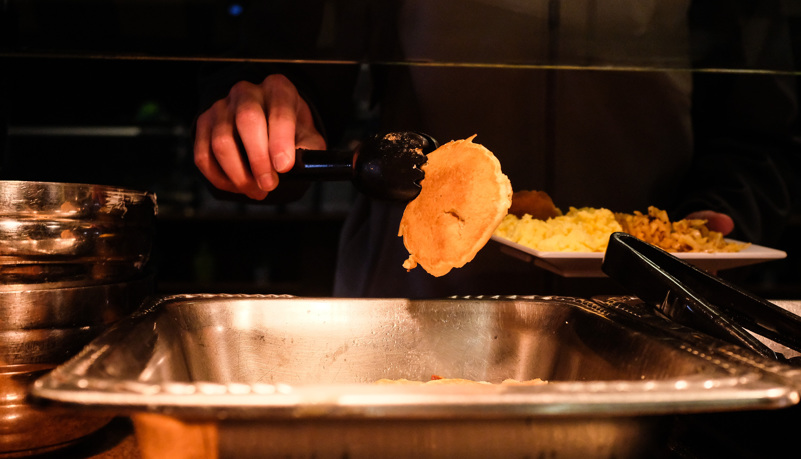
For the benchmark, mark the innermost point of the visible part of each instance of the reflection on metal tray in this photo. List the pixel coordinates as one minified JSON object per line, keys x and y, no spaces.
{"x":262,"y":376}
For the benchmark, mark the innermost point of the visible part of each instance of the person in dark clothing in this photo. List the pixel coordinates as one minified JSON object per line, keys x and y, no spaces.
{"x":720,"y":147}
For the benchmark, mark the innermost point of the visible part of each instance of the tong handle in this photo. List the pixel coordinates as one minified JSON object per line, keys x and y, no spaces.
{"x":384,"y":166}
{"x":698,"y":299}
{"x":322,"y":165}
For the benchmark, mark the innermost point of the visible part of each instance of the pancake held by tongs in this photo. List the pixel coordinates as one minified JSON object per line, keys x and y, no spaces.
{"x":464,"y":197}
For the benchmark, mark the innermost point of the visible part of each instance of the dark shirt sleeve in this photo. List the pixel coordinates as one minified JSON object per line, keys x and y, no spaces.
{"x":747,"y":154}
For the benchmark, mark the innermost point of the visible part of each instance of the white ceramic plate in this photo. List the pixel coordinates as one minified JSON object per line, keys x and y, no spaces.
{"x":588,"y":264}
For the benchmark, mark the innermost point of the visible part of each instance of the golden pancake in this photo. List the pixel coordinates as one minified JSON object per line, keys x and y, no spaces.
{"x":464,"y":197}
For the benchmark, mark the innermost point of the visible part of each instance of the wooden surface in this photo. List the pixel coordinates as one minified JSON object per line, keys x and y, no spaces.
{"x":169,"y":438}
{"x":116,"y":440}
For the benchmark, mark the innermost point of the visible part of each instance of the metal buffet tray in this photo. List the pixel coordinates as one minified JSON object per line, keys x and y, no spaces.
{"x":275,"y":376}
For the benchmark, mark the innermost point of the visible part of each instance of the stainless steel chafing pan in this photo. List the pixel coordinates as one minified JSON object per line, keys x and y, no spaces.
{"x":272,"y":376}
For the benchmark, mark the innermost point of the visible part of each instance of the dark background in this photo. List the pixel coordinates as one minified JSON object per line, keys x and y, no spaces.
{"x":68,"y":66}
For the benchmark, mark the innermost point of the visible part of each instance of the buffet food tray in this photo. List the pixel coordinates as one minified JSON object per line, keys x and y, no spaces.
{"x":278,"y":376}
{"x":588,"y":264}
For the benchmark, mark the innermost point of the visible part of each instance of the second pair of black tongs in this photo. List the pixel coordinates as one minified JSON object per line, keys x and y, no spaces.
{"x":384,"y":166}
{"x":697,"y":299}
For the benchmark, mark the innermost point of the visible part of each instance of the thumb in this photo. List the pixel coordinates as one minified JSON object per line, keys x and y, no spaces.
{"x":715,"y":221}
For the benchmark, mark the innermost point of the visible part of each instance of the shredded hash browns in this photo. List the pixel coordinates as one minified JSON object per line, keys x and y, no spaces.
{"x":687,"y":235}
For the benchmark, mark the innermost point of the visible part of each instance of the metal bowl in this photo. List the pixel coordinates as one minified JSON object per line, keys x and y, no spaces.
{"x":53,"y":232}
{"x":42,"y":326}
{"x":60,"y":305}
{"x":26,"y":430}
{"x":23,"y":347}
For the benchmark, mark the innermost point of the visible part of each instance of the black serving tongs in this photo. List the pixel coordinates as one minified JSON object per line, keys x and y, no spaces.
{"x":697,"y":299}
{"x":385,"y":166}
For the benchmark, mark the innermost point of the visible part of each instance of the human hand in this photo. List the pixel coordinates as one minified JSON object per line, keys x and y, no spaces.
{"x":270,"y":119}
{"x":715,"y":221}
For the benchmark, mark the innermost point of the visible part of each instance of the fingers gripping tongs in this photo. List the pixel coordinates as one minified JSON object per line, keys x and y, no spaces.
{"x":694,"y":298}
{"x":386,"y":166}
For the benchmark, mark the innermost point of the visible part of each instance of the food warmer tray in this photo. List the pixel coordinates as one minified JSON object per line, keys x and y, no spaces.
{"x":280,"y":376}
